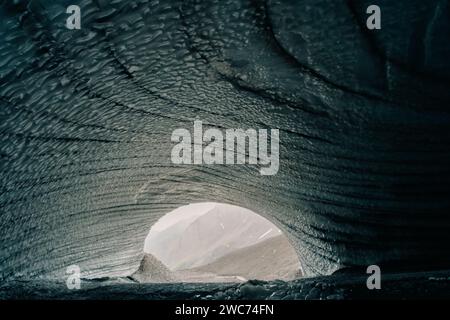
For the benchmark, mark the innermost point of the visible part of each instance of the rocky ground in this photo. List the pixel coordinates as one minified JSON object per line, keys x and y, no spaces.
{"x":423,"y":285}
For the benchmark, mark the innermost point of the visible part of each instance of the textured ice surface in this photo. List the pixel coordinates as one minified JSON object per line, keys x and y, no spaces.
{"x":86,"y":118}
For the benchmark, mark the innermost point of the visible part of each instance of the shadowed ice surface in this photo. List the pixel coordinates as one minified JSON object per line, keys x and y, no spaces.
{"x":86,"y":118}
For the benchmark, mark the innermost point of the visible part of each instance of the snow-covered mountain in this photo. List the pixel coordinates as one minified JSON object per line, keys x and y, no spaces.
{"x":200,"y":239}
{"x":270,"y":259}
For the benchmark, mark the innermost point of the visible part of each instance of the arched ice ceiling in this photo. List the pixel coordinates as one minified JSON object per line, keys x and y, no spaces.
{"x":86,"y":118}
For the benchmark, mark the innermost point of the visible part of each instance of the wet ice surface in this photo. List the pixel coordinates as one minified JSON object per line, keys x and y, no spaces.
{"x":86,"y":119}
{"x":336,"y":287}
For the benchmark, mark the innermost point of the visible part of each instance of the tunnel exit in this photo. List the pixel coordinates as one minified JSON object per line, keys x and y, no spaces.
{"x":215,"y":242}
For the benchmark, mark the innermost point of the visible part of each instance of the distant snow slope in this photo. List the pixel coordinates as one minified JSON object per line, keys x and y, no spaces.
{"x":271,"y":259}
{"x":204,"y":238}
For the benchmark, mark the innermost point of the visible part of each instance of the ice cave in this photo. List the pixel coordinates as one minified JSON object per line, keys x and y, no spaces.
{"x":87,"y":116}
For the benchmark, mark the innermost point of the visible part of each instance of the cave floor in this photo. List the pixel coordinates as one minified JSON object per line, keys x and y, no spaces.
{"x":418,"y":285}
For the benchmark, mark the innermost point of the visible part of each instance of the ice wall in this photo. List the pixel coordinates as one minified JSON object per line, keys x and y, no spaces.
{"x":87,"y":115}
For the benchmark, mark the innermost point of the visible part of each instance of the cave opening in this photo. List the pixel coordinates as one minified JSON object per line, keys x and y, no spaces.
{"x":216,"y":242}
